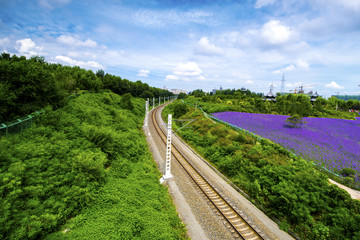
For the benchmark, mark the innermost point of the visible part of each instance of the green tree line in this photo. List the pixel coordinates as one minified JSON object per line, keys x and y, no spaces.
{"x":288,"y":188}
{"x":28,"y":85}
{"x":241,"y":100}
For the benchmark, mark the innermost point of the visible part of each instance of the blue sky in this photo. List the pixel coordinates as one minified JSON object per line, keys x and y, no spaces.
{"x":195,"y":44}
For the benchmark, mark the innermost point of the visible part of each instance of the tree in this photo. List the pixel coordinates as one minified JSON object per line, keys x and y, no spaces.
{"x":100,"y":73}
{"x":147,"y":94}
{"x":346,"y":172}
{"x":179,"y":110}
{"x":198,"y":93}
{"x":126,"y":102}
{"x":181,"y":95}
{"x":294,"y":121}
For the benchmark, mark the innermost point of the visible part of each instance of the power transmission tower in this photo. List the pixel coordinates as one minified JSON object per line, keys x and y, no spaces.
{"x":282,"y":84}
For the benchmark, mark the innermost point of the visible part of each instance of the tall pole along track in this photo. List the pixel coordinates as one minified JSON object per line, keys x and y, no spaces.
{"x":239,"y":227}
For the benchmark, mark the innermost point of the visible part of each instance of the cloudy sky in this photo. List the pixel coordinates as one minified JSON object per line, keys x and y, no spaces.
{"x":191,"y":44}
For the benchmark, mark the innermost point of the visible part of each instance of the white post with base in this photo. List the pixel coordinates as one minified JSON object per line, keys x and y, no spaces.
{"x":167,"y":174}
{"x":146,"y":113}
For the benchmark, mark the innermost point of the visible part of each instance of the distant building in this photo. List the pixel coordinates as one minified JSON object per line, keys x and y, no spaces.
{"x":313,"y":96}
{"x":270,"y":96}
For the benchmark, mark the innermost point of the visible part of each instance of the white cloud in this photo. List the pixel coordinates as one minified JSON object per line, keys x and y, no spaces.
{"x":204,"y":47}
{"x":201,"y":78}
{"x":27,"y":47}
{"x":299,"y":64}
{"x":333,"y":85}
{"x":143,"y":73}
{"x":353,"y":5}
{"x":152,"y":18}
{"x":187,"y":69}
{"x":262,"y":3}
{"x":249,"y":81}
{"x":4,"y":41}
{"x":186,"y":72}
{"x":87,"y":64}
{"x":75,"y":41}
{"x":51,"y":4}
{"x":274,"y":32}
{"x":171,"y":77}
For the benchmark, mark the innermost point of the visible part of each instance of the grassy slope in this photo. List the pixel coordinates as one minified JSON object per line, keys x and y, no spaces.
{"x":85,"y":169}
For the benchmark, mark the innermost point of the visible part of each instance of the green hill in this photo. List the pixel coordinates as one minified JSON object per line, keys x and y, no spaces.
{"x":84,"y":171}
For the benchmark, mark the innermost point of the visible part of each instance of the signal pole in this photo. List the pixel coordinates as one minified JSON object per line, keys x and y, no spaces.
{"x":167,"y":174}
{"x":146,"y":113}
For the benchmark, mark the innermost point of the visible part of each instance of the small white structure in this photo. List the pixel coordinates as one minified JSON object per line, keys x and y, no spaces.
{"x":146,"y":113}
{"x":167,"y":174}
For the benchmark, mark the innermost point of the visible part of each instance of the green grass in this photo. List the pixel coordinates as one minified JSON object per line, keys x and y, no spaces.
{"x":84,"y":172}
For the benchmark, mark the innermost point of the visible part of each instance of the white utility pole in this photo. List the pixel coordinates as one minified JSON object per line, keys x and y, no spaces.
{"x":167,"y":174}
{"x":146,"y":113}
{"x":153,"y":102}
{"x":159,"y":101}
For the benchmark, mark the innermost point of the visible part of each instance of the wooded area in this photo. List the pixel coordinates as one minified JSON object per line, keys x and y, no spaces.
{"x":28,"y":85}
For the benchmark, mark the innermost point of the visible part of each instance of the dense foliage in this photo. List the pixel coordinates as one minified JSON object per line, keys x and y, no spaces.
{"x":84,"y":168}
{"x":28,"y":85}
{"x":289,"y":104}
{"x":288,"y":188}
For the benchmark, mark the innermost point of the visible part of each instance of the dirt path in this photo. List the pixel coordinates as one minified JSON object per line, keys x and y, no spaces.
{"x":353,"y":193}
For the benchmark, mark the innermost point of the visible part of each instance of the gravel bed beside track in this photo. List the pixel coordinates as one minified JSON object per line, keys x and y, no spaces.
{"x":200,"y":217}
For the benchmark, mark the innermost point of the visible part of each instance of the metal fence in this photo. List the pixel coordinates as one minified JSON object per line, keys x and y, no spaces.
{"x":19,"y":125}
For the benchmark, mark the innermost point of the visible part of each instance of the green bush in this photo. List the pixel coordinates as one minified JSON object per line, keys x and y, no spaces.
{"x":84,"y":167}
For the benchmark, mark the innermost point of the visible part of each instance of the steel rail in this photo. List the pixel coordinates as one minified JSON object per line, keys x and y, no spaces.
{"x":240,"y":227}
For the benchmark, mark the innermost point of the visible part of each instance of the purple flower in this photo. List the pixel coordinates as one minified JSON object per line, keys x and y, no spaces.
{"x":332,"y":143}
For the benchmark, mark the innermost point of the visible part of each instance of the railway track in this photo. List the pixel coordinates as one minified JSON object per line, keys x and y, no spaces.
{"x":239,"y":227}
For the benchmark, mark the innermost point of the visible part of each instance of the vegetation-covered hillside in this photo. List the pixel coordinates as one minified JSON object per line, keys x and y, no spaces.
{"x":84,"y":168}
{"x":28,"y":85}
{"x":288,"y":188}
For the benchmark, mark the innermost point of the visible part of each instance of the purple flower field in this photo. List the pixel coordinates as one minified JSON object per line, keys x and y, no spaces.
{"x":331,"y":143}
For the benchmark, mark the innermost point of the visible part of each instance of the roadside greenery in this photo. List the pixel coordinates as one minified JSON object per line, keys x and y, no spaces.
{"x":288,"y":188}
{"x":84,"y":171}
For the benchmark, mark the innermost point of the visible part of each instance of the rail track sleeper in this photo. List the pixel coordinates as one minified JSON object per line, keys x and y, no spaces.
{"x":247,"y":234}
